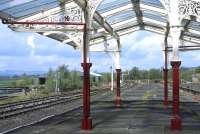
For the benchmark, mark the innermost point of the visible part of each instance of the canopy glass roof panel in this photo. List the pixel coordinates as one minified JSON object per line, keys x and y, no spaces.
{"x":154,"y":16}
{"x":194,"y":25}
{"x":108,"y":5}
{"x":4,"y":4}
{"x":31,"y":7}
{"x":5,"y":1}
{"x":156,"y":3}
{"x":122,"y":16}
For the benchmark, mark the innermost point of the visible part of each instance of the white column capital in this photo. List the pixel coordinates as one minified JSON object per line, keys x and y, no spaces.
{"x":117,"y":60}
{"x":175,"y":34}
{"x":116,"y":56}
{"x":175,"y":27}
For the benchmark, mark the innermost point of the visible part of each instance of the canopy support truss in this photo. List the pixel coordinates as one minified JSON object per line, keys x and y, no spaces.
{"x":99,"y":19}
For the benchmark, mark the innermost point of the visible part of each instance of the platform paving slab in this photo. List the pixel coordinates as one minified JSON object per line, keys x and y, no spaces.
{"x":141,"y":112}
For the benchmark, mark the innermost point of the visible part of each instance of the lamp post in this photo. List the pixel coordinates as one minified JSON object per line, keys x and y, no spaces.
{"x":112,"y":79}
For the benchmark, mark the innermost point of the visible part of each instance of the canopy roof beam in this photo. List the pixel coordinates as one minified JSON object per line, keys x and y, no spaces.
{"x":166,"y":34}
{"x":138,"y":12}
{"x":99,"y":19}
{"x":185,"y":48}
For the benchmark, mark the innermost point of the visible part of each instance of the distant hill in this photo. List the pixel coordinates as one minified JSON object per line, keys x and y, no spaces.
{"x":10,"y":73}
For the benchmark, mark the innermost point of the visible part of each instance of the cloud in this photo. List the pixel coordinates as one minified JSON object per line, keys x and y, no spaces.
{"x":37,"y":63}
{"x":38,"y":52}
{"x":195,"y":56}
{"x":30,"y":41}
{"x":141,"y":49}
{"x":148,"y":44}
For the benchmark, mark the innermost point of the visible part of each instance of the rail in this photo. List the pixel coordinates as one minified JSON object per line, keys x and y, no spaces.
{"x":22,"y":107}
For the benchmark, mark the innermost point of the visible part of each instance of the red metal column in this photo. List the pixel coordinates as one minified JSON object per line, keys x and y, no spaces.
{"x":165,"y":77}
{"x":86,"y":121}
{"x":176,"y":119}
{"x":118,"y":97}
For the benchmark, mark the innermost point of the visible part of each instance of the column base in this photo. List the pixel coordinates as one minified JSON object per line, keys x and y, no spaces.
{"x":118,"y":101}
{"x":176,"y":124}
{"x":86,"y":124}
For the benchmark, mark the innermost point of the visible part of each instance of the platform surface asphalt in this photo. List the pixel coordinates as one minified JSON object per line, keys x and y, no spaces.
{"x":141,"y":112}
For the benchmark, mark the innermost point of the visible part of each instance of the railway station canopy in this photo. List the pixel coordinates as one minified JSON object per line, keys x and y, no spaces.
{"x":112,"y":19}
{"x":85,"y":23}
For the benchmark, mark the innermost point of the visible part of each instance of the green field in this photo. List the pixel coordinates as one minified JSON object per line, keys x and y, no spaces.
{"x":29,"y":96}
{"x":7,"y":82}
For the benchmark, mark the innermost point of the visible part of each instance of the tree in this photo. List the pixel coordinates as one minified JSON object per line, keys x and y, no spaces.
{"x":197,"y":70}
{"x":50,"y":83}
{"x":24,"y":81}
{"x":76,"y":80}
{"x":64,"y":77}
{"x":134,"y":73}
{"x":106,"y":77}
{"x":155,"y":74}
{"x":144,"y":74}
{"x":186,"y":74}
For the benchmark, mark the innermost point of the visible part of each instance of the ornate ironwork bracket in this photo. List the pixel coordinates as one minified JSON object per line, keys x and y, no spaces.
{"x":189,"y":7}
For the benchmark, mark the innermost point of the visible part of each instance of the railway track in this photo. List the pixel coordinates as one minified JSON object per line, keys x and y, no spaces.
{"x":38,"y":99}
{"x":23,"y":107}
{"x":187,"y":89}
{"x":194,"y":92}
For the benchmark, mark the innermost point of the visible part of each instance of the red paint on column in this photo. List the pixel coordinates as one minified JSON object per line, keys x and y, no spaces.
{"x":118,"y":97}
{"x":165,"y":77}
{"x":86,"y":120}
{"x":176,"y":119}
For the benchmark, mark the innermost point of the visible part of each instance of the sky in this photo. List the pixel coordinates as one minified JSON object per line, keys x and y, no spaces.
{"x":33,"y":52}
